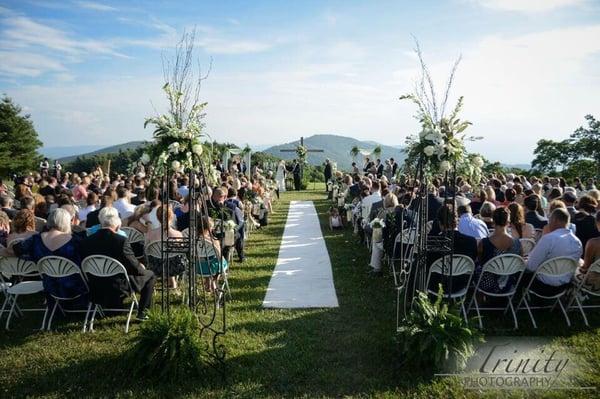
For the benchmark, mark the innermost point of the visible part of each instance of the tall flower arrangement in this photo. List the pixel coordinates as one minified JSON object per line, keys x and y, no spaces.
{"x":301,"y":152}
{"x":440,"y":143}
{"x":177,"y":144}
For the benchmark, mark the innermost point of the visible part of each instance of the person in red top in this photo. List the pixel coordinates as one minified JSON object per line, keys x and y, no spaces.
{"x":80,"y":190}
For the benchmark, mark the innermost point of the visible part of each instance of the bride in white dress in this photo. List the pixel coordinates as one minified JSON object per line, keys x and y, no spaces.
{"x":280,"y":176}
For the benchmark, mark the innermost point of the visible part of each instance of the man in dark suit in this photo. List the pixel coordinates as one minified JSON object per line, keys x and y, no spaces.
{"x":296,"y":171}
{"x":379,"y":169}
{"x":93,"y":217}
{"x":110,"y":291}
{"x":394,"y":167}
{"x":6,"y":206}
{"x":327,"y":171}
{"x":532,"y":204}
{"x":569,"y":199}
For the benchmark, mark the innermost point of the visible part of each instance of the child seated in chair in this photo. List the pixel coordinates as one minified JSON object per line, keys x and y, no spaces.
{"x":335,"y":220}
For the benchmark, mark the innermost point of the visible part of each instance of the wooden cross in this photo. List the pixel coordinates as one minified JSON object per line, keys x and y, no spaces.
{"x":307,"y":150}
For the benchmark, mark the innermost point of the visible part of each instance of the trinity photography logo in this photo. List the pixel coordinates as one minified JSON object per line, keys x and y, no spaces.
{"x":525,"y":363}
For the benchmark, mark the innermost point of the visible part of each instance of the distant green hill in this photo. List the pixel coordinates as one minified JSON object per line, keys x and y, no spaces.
{"x":132,"y":145}
{"x":336,"y":148}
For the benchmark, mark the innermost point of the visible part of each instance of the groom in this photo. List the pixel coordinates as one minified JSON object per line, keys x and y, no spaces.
{"x":296,"y":172}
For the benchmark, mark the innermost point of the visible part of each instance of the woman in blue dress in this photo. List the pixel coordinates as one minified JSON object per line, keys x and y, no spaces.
{"x":57,"y":241}
{"x":498,"y":243}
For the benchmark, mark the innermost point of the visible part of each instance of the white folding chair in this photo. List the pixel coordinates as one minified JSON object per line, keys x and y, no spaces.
{"x":583,"y":291}
{"x":499,"y":266}
{"x":185,"y":232}
{"x":538,"y":234}
{"x":16,"y":267}
{"x":57,"y":267}
{"x":4,"y":285}
{"x":133,"y":235}
{"x":456,"y":265}
{"x":106,"y":267}
{"x":527,"y":244}
{"x":554,"y":267}
{"x":40,"y":223}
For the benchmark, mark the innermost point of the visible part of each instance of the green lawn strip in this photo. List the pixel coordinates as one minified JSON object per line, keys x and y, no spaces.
{"x":345,"y":351}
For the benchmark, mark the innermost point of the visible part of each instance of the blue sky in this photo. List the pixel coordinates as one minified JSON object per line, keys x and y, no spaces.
{"x":89,"y":72}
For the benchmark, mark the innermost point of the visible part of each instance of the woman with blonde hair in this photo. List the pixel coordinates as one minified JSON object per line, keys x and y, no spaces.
{"x":23,"y":227}
{"x":490,"y":195}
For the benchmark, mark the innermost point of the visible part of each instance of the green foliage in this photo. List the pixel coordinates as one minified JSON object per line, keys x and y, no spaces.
{"x":121,"y":162}
{"x":18,"y":140}
{"x":261,"y":158}
{"x":577,"y":156}
{"x":434,"y":334}
{"x":354,"y":151}
{"x":169,"y":347}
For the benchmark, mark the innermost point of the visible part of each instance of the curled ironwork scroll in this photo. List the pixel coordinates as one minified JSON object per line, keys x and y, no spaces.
{"x":204,"y":282}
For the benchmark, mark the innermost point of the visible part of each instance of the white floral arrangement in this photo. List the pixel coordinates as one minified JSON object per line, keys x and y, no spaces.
{"x":177,"y":145}
{"x":377,"y":223}
{"x":229,"y":225}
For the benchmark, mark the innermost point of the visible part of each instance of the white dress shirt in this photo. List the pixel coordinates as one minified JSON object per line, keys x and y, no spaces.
{"x":84,"y":212}
{"x":124,"y":208}
{"x":560,"y":242}
{"x":472,"y":227}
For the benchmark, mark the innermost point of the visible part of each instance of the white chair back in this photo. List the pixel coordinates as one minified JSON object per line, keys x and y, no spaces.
{"x":206,"y":249}
{"x":504,"y":265}
{"x":175,"y":204}
{"x":133,"y":235}
{"x":185,"y":232}
{"x":460,"y":264}
{"x":558,"y":266}
{"x":594,"y":268}
{"x":57,"y":266}
{"x":17,"y":267}
{"x":103,"y":266}
{"x":538,"y":234}
{"x":527,"y":244}
{"x":154,"y":249}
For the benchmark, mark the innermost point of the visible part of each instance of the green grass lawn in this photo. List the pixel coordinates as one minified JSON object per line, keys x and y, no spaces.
{"x":346,"y":351}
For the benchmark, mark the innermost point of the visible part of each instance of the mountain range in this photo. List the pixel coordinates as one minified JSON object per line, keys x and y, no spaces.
{"x":336,"y":148}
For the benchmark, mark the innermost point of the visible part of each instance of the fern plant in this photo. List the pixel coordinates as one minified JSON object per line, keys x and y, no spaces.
{"x":434,"y":335}
{"x":169,"y":347}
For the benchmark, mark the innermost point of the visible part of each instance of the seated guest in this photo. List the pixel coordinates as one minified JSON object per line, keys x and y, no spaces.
{"x":434,"y":203}
{"x":559,"y":242}
{"x":136,"y":220}
{"x":584,"y":219}
{"x":92,"y":218}
{"x":177,"y":263}
{"x":485,"y":214}
{"x":23,"y":227}
{"x":478,"y":199}
{"x":463,"y":245}
{"x":335,"y":220}
{"x":592,"y":254}
{"x":76,"y":228}
{"x":91,"y":202}
{"x":182,"y":214}
{"x":498,"y":243}
{"x":57,"y":241}
{"x":469,"y":225}
{"x":551,"y":207}
{"x":6,"y":206}
{"x":215,"y":265}
{"x":569,"y":199}
{"x":122,"y":204}
{"x":4,"y":228}
{"x":532,"y":216}
{"x":236,"y":207}
{"x":107,"y":242}
{"x":518,"y":227}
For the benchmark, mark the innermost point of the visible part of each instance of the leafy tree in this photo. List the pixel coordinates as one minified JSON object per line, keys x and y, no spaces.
{"x":549,"y":155}
{"x":587,"y":141}
{"x":18,"y":140}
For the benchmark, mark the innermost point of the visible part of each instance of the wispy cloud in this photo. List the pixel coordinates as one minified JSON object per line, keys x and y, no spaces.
{"x":92,"y":5}
{"x":529,"y":5}
{"x":30,"y":48}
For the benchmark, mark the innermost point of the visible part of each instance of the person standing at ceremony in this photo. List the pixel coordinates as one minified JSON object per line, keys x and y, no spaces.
{"x":368,"y":165}
{"x":280,"y":177}
{"x":327,"y":172}
{"x":44,"y":166}
{"x":57,"y":169}
{"x":394,"y":166}
{"x":296,"y":171}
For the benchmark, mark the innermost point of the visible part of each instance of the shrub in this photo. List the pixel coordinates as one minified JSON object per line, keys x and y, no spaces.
{"x":168,"y":347}
{"x":434,"y":335}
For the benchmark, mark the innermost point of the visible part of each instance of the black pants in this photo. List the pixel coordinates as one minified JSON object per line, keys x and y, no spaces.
{"x":297,"y":182}
{"x":146,"y":292}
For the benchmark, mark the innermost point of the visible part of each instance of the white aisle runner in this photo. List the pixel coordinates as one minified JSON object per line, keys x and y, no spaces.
{"x":302,"y":277}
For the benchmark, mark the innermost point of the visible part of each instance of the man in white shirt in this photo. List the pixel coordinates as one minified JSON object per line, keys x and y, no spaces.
{"x":559,"y":242}
{"x":367,"y":202}
{"x":122,"y":204}
{"x":469,"y":225}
